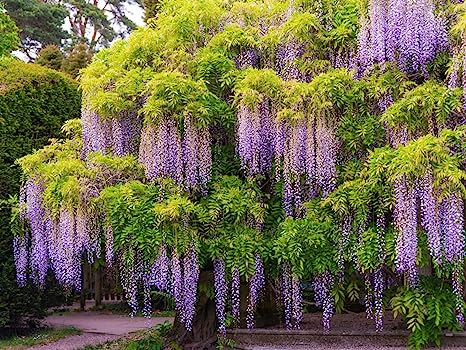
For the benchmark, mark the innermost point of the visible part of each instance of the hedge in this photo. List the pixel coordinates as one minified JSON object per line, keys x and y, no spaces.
{"x":34,"y":103}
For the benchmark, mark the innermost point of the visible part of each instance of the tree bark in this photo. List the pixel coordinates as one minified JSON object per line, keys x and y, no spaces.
{"x":85,"y":286}
{"x":98,"y":287}
{"x":204,"y":333}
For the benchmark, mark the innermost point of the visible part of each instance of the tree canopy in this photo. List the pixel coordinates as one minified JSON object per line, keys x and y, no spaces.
{"x":269,"y":143}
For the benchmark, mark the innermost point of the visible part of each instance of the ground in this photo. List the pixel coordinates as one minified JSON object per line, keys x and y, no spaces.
{"x":96,"y":327}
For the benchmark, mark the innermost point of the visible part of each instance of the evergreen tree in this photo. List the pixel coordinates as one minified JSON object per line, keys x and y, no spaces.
{"x":50,"y":56}
{"x":41,"y":23}
{"x":99,"y":23}
{"x":78,"y":58}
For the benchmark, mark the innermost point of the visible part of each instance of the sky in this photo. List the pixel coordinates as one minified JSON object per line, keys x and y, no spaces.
{"x":136,"y":14}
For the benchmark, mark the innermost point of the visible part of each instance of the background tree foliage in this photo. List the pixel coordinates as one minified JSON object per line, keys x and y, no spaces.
{"x":40,"y":22}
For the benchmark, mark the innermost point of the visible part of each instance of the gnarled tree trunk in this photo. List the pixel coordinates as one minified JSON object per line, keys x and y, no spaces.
{"x":204,"y":333}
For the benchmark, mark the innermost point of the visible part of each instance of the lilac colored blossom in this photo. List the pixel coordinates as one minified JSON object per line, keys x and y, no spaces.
{"x":327,"y":151}
{"x":197,"y":157}
{"x":291,"y":298}
{"x":297,"y":307}
{"x":71,"y":252}
{"x":406,"y":223}
{"x":286,"y":61}
{"x":146,"y":283}
{"x":20,"y":252}
{"x":97,"y":133}
{"x":255,"y":146}
{"x":126,"y":131}
{"x":248,"y":57}
{"x":256,"y":286}
{"x":160,"y":151}
{"x":235,"y":294}
{"x":430,"y":216}
{"x":160,"y":270}
{"x":286,"y":294}
{"x":452,"y":227}
{"x":458,"y":291}
{"x":129,"y":282}
{"x":408,"y":33}
{"x":221,"y":290}
{"x":39,"y":254}
{"x":375,"y":286}
{"x":109,"y":253}
{"x":385,"y":102}
{"x":177,"y":286}
{"x":190,"y":281}
{"x":323,"y":285}
{"x":167,"y":153}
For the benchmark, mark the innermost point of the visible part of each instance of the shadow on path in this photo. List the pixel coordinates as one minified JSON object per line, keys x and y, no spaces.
{"x":97,"y":328}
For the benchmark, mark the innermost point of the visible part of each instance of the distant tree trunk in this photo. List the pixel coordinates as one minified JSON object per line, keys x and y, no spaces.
{"x":85,"y":286}
{"x":98,"y":287}
{"x":204,"y":333}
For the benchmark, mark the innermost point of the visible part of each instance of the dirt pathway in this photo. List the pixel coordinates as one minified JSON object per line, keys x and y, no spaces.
{"x":97,"y":328}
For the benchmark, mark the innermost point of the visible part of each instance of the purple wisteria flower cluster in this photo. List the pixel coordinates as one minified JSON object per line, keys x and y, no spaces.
{"x":323,"y":285}
{"x":56,"y":243}
{"x":307,"y":150}
{"x":119,"y":135}
{"x":442,"y":220}
{"x":221,"y":293}
{"x":290,"y":290}
{"x":177,"y":276}
{"x":256,"y":286}
{"x":406,"y":32}
{"x":185,"y":158}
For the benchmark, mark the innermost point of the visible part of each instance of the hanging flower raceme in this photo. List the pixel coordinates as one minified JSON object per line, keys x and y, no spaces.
{"x":161,"y":151}
{"x":39,"y":245}
{"x":255,"y":142}
{"x":160,"y":273}
{"x":118,"y":135}
{"x":323,"y":285}
{"x":406,"y":223}
{"x":167,"y":153}
{"x":375,"y":285}
{"x":197,"y":156}
{"x":184,"y":282}
{"x":248,"y":57}
{"x":221,"y":291}
{"x":21,"y":256}
{"x":452,"y":227}
{"x":408,"y":33}
{"x":190,"y":281}
{"x":256,"y":286}
{"x":290,"y":290}
{"x":286,"y":60}
{"x":235,"y":295}
{"x":430,"y":216}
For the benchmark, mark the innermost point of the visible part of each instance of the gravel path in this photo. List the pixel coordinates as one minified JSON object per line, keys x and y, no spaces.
{"x":97,"y":328}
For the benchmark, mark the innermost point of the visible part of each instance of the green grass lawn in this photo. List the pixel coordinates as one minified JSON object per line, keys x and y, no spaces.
{"x":38,"y":337}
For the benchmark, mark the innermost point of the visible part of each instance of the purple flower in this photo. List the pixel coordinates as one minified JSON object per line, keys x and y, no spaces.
{"x":221,"y":290}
